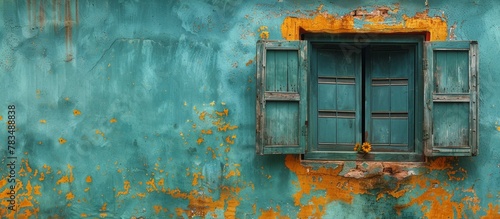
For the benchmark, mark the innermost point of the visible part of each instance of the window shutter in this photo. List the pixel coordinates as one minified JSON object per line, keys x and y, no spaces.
{"x":451,"y":98}
{"x":281,"y":107}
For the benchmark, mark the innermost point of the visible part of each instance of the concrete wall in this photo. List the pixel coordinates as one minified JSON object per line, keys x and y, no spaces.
{"x":134,"y":108}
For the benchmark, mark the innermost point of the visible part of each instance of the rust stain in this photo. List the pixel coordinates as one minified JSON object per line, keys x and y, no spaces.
{"x":88,"y":179}
{"x":113,"y":120}
{"x":327,"y":23}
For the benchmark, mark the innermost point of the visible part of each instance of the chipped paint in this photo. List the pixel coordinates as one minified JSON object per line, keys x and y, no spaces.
{"x":375,"y":23}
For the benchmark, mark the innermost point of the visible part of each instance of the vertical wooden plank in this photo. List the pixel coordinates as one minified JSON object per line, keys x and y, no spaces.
{"x":270,"y":70}
{"x":281,"y":71}
{"x":293,"y":71}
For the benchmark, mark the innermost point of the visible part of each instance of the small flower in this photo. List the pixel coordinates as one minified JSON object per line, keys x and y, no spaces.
{"x":366,"y":147}
{"x":357,"y":147}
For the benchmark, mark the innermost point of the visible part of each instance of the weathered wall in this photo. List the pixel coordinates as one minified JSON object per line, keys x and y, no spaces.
{"x":147,"y":108}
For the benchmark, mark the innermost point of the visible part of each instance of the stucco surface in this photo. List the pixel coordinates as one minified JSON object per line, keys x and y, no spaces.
{"x":147,"y":109}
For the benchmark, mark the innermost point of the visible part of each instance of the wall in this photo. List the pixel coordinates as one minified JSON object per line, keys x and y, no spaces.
{"x":128,"y":109}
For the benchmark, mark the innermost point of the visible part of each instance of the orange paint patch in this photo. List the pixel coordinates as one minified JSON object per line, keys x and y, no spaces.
{"x":104,"y":207}
{"x":229,"y":141}
{"x":202,"y":115}
{"x":321,"y":179}
{"x":200,"y":140}
{"x":126,"y":187}
{"x":200,"y":205}
{"x":249,"y":62}
{"x":206,"y":132}
{"x":325,"y":23}
{"x":493,"y":212}
{"x":67,"y":178}
{"x":76,"y":112}
{"x":62,"y":140}
{"x":113,"y":120}
{"x":441,"y":163}
{"x":225,"y":127}
{"x":152,"y":186}
{"x":225,"y":112}
{"x":70,"y":196}
{"x":159,"y":208}
{"x":195,"y":179}
{"x":88,"y":179}
{"x":43,"y":121}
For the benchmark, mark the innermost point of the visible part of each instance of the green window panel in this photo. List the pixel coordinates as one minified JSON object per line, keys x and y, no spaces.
{"x":335,"y":99}
{"x":451,"y":92}
{"x":389,"y":91}
{"x":281,"y":97}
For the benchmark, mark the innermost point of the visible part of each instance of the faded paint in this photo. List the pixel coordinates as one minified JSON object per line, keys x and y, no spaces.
{"x":129,"y":109}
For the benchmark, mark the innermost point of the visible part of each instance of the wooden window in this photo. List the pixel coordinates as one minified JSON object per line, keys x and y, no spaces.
{"x":346,"y":92}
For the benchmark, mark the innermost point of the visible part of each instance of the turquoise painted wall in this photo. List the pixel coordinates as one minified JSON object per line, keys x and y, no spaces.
{"x":134,"y":108}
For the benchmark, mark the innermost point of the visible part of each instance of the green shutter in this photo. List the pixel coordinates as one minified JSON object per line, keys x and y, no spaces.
{"x":389,"y":108}
{"x":451,"y":98}
{"x":281,"y":107}
{"x":335,"y":98}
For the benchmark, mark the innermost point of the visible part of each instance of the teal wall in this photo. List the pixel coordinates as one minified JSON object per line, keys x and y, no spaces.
{"x":134,"y":108}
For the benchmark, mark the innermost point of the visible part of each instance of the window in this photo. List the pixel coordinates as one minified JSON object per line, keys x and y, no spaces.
{"x":408,"y":98}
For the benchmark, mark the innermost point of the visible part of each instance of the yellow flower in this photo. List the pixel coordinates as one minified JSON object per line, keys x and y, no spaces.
{"x":357,"y":147}
{"x":366,"y":147}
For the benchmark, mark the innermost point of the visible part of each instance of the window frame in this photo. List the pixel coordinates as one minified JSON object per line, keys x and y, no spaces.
{"x":360,"y":41}
{"x":425,"y":98}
